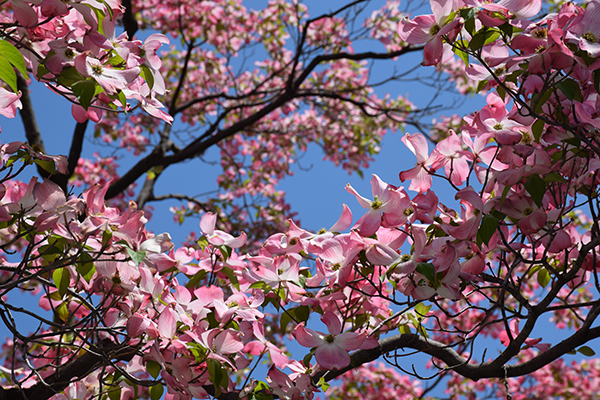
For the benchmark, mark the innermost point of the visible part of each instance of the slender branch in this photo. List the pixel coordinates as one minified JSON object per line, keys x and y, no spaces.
{"x":199,"y":146}
{"x":32,"y":130}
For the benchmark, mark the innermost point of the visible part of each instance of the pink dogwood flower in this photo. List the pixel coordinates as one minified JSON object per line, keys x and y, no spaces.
{"x":514,"y":331}
{"x":217,"y":237}
{"x":332,"y":349}
{"x":385,"y":199}
{"x":419,"y":174}
{"x":433,"y":30}
{"x":112,"y":80}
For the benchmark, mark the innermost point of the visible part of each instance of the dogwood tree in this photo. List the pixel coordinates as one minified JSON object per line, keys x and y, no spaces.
{"x":124,"y":313}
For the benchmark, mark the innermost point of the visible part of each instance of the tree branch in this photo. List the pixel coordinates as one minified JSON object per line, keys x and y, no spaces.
{"x":32,"y":131}
{"x":79,"y":367}
{"x":199,"y":146}
{"x":129,"y":22}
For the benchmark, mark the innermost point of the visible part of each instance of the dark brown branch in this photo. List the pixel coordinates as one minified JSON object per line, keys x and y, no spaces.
{"x":74,"y":154}
{"x":129,"y":21}
{"x":79,"y":367}
{"x":459,"y":364}
{"x":32,"y":131}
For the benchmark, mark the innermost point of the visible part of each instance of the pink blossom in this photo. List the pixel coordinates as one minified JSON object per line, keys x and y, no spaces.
{"x":515,"y":331}
{"x":9,"y":102}
{"x":332,"y":349}
{"x":419,"y":174}
{"x":217,"y":237}
{"x":385,"y":200}
{"x":112,"y":80}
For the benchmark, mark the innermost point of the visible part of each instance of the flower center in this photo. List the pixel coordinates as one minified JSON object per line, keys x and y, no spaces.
{"x":408,"y":211}
{"x":376,"y":203}
{"x":540,"y":33}
{"x":498,"y":126}
{"x":69,"y":53}
{"x":590,"y":37}
{"x":527,"y":211}
{"x":329,"y":338}
{"x":434,"y":30}
{"x":97,"y":69}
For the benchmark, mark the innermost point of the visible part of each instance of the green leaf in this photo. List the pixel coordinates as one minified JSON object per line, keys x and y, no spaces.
{"x":8,"y":74}
{"x":507,"y":29}
{"x":153,"y":368}
{"x":501,"y":92}
{"x":543,"y":277}
{"x":69,"y":75}
{"x":307,"y":358}
{"x":481,"y":85}
{"x":597,"y":80}
{"x":156,"y":391}
{"x":404,"y":329}
{"x":41,"y":71}
{"x":117,"y":62}
{"x":554,"y":177}
{"x":483,"y":37}
{"x":323,"y":385}
{"x":62,"y":279}
{"x":461,"y":54}
{"x":84,"y":91}
{"x":232,"y":277}
{"x":285,"y":319}
{"x":225,"y":252}
{"x":302,"y":313}
{"x":536,"y":188}
{"x":46,"y":165}
{"x":123,"y":100}
{"x":586,"y":351}
{"x":422,"y":310}
{"x":194,"y":281}
{"x":427,"y":270}
{"x":488,"y":226}
{"x":217,"y":375}
{"x":537,"y":129}
{"x":13,"y":56}
{"x":259,"y":285}
{"x":114,"y":393}
{"x":85,"y":266}
{"x":62,"y":311}
{"x":538,"y":100}
{"x":147,"y":75}
{"x":137,"y":256}
{"x":202,"y":242}
{"x":571,"y":89}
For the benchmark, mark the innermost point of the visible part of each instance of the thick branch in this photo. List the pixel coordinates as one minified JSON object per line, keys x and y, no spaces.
{"x":77,"y":368}
{"x":74,"y":154}
{"x":459,"y":364}
{"x":129,"y":21}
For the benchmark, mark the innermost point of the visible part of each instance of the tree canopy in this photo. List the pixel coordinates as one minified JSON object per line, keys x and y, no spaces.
{"x":253,"y":305}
